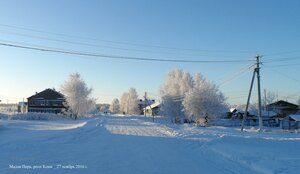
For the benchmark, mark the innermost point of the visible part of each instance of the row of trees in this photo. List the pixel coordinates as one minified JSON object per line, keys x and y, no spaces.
{"x":80,"y":103}
{"x":188,"y":97}
{"x":183,"y":97}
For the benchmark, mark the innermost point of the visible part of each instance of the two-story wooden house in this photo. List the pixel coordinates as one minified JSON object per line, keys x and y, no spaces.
{"x":47,"y":101}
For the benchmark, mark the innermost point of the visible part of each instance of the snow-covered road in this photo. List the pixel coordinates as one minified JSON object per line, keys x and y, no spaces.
{"x":114,"y":144}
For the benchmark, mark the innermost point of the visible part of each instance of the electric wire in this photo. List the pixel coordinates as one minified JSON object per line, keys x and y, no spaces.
{"x":95,"y":45}
{"x":283,"y":74}
{"x":237,"y":74}
{"x":127,"y":43}
{"x":118,"y":56}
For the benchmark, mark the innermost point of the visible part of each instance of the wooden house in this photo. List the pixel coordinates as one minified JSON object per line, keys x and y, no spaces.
{"x":269,"y":118}
{"x":47,"y":101}
{"x":283,"y":108}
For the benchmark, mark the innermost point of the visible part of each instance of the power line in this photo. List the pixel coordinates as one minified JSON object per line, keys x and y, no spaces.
{"x":93,"y":45}
{"x":127,"y":43}
{"x":118,"y":56}
{"x":280,"y":59}
{"x":283,"y":74}
{"x":283,"y":65}
{"x":280,"y":53}
{"x":236,"y":74}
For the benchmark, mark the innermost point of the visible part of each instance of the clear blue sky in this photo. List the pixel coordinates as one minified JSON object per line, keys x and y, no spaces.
{"x":205,"y":30}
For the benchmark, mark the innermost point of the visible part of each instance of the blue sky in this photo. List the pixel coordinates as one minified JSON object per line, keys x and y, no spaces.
{"x":201,"y":30}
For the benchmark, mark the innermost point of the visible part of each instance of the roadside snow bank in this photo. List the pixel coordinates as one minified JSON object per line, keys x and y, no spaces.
{"x":42,"y":125}
{"x":33,"y":116}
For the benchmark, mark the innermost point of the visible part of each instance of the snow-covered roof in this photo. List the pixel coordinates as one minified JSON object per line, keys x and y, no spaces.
{"x":47,"y":94}
{"x":295,"y":117}
{"x":233,"y":109}
{"x":154,"y":105}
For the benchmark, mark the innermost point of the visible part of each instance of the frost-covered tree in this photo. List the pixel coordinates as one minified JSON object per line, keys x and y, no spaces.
{"x":176,"y":86}
{"x":123,"y":103}
{"x":186,"y":97}
{"x":204,"y":101}
{"x":77,"y":94}
{"x":129,"y":102}
{"x":115,"y":106}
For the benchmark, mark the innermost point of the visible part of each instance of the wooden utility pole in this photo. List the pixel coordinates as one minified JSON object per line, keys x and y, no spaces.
{"x":145,"y":104}
{"x":256,"y":71}
{"x":265,"y":97}
{"x":248,"y":100}
{"x":258,"y":88}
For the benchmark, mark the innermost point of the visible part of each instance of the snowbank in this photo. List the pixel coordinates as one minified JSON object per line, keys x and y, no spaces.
{"x":36,"y":116}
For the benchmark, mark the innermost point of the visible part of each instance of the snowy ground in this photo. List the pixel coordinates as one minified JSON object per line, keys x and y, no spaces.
{"x":135,"y":145}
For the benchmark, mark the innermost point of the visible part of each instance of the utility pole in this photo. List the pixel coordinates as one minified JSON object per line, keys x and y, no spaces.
{"x":256,"y":71}
{"x":248,"y":100}
{"x":265,"y":96}
{"x":259,"y":96}
{"x":145,"y":104}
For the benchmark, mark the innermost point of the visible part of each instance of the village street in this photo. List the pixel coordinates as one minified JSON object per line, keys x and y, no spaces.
{"x":115,"y":144}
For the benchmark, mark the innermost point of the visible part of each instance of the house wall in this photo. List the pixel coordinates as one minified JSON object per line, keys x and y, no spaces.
{"x":45,"y":106}
{"x":289,"y":124}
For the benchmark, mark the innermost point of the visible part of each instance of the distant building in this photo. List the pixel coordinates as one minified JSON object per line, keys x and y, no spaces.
{"x":292,"y":122}
{"x":283,"y":108}
{"x":152,"y":109}
{"x":47,"y":101}
{"x":142,"y":104}
{"x":269,"y":118}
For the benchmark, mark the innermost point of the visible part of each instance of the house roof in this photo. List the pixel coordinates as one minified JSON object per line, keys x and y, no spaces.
{"x":233,"y":110}
{"x":47,"y":94}
{"x":154,"y":105}
{"x":282,"y":103}
{"x":295,"y":117}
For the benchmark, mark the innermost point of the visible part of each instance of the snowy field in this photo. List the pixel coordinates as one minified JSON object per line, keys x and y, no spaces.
{"x":136,"y":145}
